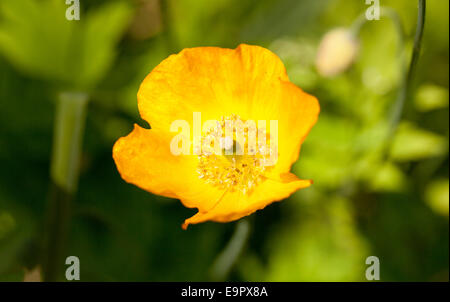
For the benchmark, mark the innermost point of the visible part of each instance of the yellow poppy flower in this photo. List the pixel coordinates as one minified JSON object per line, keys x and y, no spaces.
{"x":248,"y":83}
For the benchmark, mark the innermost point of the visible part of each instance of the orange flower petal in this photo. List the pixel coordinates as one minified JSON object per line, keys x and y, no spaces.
{"x":143,"y":158}
{"x":235,"y":205}
{"x":301,"y":111}
{"x":211,"y":80}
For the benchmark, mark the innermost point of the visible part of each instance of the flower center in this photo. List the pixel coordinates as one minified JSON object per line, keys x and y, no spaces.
{"x":234,"y":155}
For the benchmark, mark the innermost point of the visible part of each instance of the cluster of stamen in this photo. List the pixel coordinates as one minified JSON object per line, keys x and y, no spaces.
{"x":240,"y":165}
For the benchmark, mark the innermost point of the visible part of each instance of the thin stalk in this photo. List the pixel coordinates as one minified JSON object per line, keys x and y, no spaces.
{"x":405,"y":88}
{"x":227,"y":258}
{"x":64,"y":171}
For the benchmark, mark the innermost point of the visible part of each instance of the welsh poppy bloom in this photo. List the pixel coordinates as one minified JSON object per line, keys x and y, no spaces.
{"x":248,"y":83}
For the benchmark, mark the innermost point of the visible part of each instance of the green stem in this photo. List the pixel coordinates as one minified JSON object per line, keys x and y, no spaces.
{"x":68,"y":134}
{"x":64,"y":171}
{"x":227,"y":258}
{"x":405,"y":88}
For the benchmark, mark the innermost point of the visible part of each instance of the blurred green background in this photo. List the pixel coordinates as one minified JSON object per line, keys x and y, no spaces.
{"x":362,"y":203}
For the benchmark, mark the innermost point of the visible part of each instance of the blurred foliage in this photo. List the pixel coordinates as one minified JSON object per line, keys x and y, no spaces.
{"x":70,"y":53}
{"x":363,"y":202}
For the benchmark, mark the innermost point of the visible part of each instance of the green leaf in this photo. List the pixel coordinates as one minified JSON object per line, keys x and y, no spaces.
{"x":36,"y":38}
{"x":102,"y":31}
{"x":412,"y":143}
{"x":387,"y":178}
{"x":430,"y":97}
{"x":436,"y":196}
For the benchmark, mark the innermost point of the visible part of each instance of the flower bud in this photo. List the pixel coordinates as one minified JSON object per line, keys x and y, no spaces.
{"x":337,"y":51}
